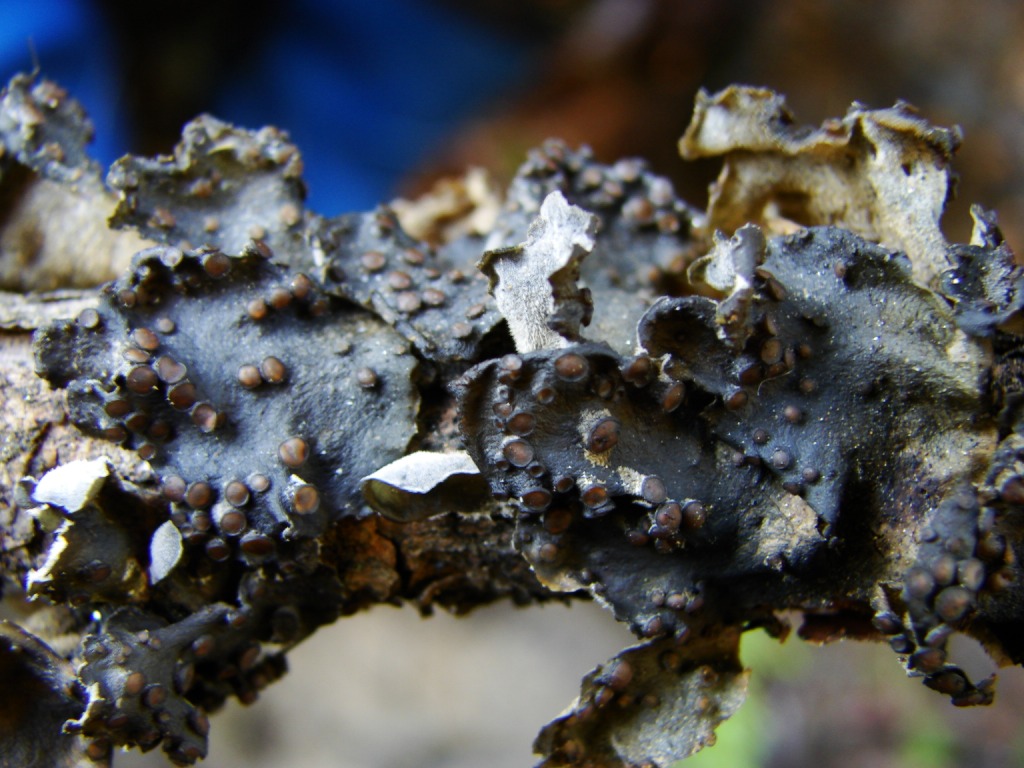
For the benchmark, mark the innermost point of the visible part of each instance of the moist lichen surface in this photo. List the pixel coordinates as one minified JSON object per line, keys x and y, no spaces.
{"x":709,"y":422}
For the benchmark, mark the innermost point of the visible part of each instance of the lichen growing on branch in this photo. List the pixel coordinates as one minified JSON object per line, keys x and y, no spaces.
{"x":800,"y":403}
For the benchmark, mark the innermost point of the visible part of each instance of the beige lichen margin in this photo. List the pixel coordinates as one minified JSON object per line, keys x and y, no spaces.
{"x":883,"y":174}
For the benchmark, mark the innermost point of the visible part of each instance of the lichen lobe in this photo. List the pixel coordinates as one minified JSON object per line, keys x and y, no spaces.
{"x":535,"y":283}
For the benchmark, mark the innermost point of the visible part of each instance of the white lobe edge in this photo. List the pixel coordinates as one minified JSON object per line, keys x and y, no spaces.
{"x":422,"y":471}
{"x":73,"y":485}
{"x":165,"y":550}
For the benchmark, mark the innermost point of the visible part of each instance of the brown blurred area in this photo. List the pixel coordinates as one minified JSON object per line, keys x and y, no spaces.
{"x":621,"y":76}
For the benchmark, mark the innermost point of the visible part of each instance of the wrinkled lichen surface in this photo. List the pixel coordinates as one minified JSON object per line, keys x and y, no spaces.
{"x":800,"y":405}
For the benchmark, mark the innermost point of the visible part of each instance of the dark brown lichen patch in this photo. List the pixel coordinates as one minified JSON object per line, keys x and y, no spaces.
{"x":248,"y":182}
{"x":433,"y":298}
{"x":650,"y":705}
{"x":272,"y":397}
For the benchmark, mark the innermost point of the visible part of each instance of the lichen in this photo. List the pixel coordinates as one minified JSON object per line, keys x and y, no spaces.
{"x":814,"y":411}
{"x":53,"y":195}
{"x":883,"y":174}
{"x":535,"y":282}
{"x":43,"y":129}
{"x":650,"y":705}
{"x":31,"y":723}
{"x":245,"y":385}
{"x":221,"y":187}
{"x":432,"y":297}
{"x":424,"y":483}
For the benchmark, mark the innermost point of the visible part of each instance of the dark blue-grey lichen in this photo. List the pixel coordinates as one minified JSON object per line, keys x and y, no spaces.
{"x":952,"y":573}
{"x":433,"y":298}
{"x":245,"y":385}
{"x":222,"y":187}
{"x":986,"y":285}
{"x":151,"y":681}
{"x":55,"y":202}
{"x":810,"y":421}
{"x":48,"y":693}
{"x":225,"y":187}
{"x":42,"y":129}
{"x":687,"y":487}
{"x":643,"y":224}
{"x":843,"y":361}
{"x":730,"y":448}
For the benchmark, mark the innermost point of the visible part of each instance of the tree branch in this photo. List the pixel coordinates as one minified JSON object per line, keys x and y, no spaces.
{"x":275,"y":419}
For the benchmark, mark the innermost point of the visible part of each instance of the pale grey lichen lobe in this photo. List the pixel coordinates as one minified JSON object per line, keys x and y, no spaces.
{"x":535,"y":283}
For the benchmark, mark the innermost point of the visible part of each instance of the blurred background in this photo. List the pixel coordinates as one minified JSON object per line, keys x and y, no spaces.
{"x":386,"y":97}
